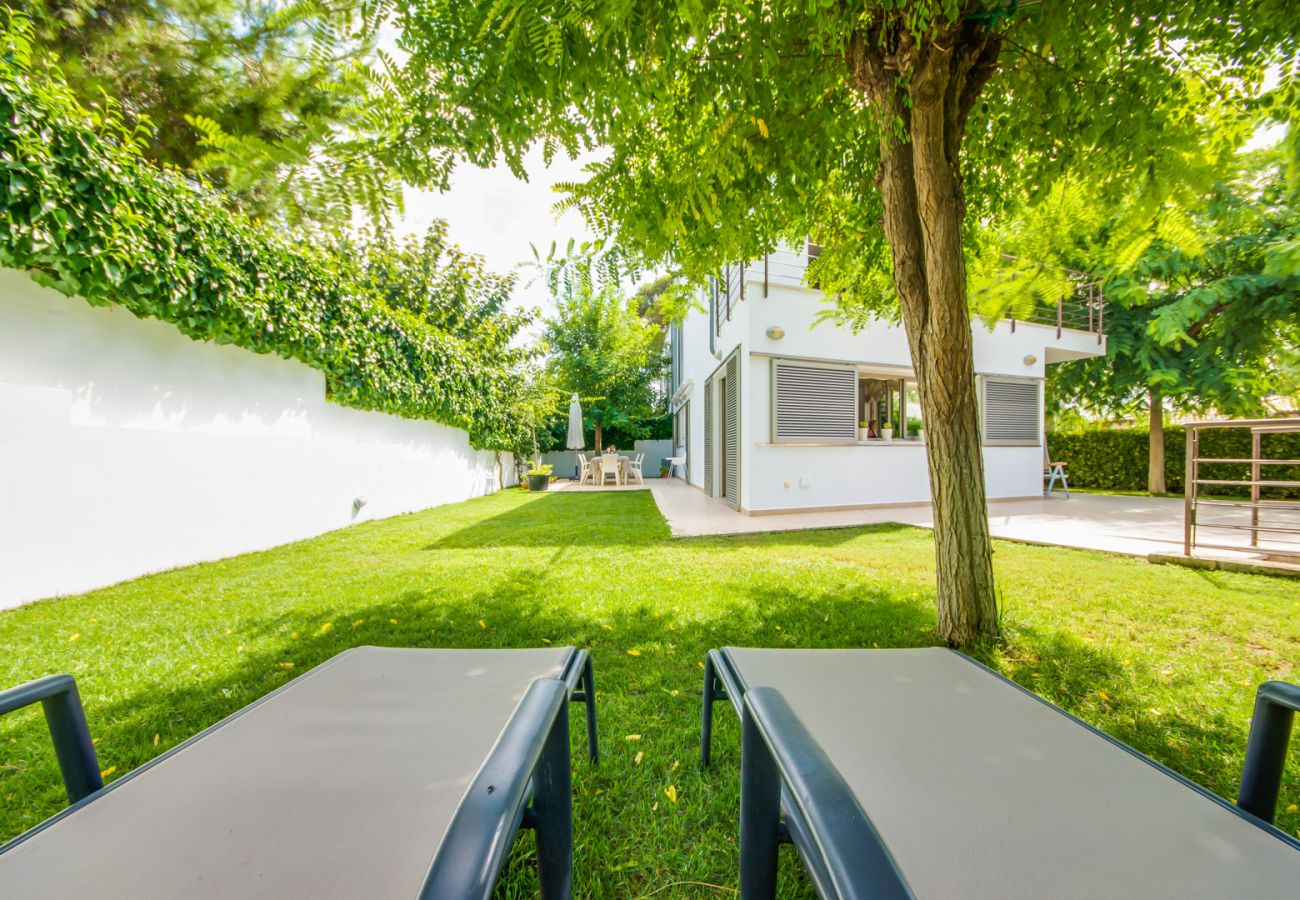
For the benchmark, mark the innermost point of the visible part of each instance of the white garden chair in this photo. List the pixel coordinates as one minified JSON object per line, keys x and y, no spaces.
{"x":586,"y":469}
{"x":610,"y":468}
{"x":634,"y":468}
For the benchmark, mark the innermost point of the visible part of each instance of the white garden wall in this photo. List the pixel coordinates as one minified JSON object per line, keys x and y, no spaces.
{"x":126,"y":447}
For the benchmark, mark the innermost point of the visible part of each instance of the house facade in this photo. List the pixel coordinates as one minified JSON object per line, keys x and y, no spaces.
{"x":776,"y":411}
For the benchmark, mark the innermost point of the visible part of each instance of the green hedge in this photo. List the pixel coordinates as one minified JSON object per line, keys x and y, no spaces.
{"x":1116,"y":459}
{"x":87,"y":214}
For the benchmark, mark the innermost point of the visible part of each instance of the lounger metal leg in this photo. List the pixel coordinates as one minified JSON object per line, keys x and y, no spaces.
{"x":706,"y":714}
{"x":552,"y":813}
{"x":67,"y":723}
{"x":1276,"y":704}
{"x":580,"y":676}
{"x":589,"y":680}
{"x":760,"y":813}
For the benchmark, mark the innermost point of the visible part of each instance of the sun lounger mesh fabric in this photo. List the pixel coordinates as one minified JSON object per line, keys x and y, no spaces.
{"x":341,"y":785}
{"x":982,"y":791}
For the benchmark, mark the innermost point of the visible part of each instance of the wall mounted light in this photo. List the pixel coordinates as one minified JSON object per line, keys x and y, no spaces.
{"x":1030,"y":359}
{"x":776,"y":332}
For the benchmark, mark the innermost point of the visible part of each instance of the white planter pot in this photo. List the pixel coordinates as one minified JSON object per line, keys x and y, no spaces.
{"x":864,"y":434}
{"x":886,"y":434}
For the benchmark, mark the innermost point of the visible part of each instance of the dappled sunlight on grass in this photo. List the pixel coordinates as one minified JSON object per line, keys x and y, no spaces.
{"x":1166,"y":659}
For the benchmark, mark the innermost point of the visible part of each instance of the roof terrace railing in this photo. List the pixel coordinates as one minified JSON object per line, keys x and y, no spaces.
{"x":1084,"y":310}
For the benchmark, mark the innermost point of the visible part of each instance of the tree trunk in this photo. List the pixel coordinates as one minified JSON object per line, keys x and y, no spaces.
{"x":599,"y":448}
{"x":1156,"y":457}
{"x":924,"y":209}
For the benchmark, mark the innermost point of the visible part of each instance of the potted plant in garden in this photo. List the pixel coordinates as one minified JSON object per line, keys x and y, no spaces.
{"x":539,"y":477}
{"x":663,"y":470}
{"x":916,"y":429}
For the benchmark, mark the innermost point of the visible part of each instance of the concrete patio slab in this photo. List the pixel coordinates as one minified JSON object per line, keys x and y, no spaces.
{"x":570,"y":485}
{"x":1134,"y":526}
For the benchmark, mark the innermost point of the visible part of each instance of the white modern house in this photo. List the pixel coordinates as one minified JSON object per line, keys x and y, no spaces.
{"x":769,"y":403}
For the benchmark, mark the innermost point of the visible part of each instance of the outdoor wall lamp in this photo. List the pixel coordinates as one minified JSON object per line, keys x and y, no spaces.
{"x":776,"y":332}
{"x":1030,"y":359}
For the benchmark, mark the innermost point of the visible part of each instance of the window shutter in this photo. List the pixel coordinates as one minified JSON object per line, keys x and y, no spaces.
{"x":708,"y":437}
{"x":1011,"y":412}
{"x":733,"y":430}
{"x":815,"y":403}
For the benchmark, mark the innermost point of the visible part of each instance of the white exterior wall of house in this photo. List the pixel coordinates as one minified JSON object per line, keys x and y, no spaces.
{"x":126,"y":448}
{"x":696,"y":365}
{"x":778,"y":477}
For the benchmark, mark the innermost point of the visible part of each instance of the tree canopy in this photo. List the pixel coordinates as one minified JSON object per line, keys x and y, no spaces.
{"x":1204,"y":327}
{"x":605,"y":351}
{"x":269,"y":100}
{"x":708,"y":110}
{"x":1210,"y":321}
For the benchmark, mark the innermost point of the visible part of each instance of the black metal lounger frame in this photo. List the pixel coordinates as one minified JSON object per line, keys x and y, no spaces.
{"x":525,"y":782}
{"x":790,"y":792}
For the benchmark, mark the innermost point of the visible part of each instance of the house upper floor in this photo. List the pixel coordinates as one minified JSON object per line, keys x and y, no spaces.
{"x":766,"y":306}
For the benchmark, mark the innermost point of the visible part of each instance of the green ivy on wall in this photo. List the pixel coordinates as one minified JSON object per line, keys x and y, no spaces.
{"x":413,"y":329}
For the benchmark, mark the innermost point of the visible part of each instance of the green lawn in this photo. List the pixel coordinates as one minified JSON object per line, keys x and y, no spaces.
{"x":1164,"y":658}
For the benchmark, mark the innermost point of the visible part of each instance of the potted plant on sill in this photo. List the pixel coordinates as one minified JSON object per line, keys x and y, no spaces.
{"x":539,"y":477}
{"x":864,"y":431}
{"x":887,"y":433}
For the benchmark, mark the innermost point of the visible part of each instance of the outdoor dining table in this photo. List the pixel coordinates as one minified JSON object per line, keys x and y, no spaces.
{"x":619,"y":460}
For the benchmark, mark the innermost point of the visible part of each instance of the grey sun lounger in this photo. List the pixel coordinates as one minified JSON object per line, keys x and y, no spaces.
{"x":901,"y":773}
{"x":380,"y":773}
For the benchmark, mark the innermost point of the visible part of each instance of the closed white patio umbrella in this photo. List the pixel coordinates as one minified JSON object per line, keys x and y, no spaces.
{"x":575,"y":436}
{"x":575,"y":441}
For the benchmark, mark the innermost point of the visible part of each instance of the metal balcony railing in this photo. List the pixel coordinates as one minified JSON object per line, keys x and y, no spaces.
{"x":1084,"y":310}
{"x":728,"y":291}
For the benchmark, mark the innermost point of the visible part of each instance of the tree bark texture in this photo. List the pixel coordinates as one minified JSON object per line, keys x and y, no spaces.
{"x":922,"y":94}
{"x":598,"y":447}
{"x":1156,"y":456}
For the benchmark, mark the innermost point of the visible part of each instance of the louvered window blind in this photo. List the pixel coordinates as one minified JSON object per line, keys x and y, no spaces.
{"x":1011,"y":411}
{"x":708,"y":436}
{"x":814,"y":403}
